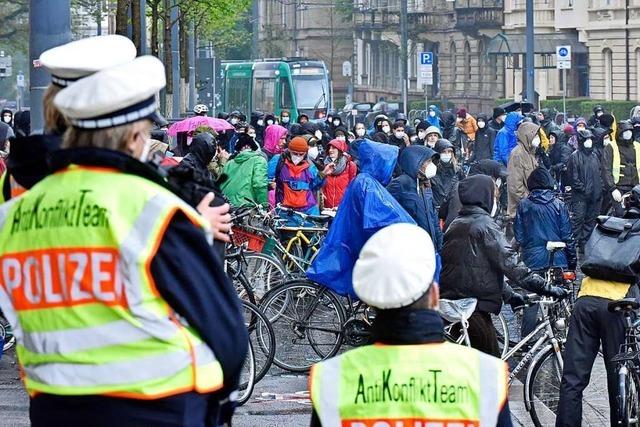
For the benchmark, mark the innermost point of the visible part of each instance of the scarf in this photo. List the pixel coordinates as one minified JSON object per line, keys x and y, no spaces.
{"x":403,"y":326}
{"x":341,"y":164}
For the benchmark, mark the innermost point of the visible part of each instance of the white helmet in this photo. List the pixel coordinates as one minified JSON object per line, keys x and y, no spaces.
{"x":200,"y":108}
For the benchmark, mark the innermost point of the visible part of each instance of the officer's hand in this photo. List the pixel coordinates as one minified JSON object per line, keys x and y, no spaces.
{"x":556,"y":292}
{"x":517,"y":301}
{"x":218,"y":217}
{"x":617,"y":196}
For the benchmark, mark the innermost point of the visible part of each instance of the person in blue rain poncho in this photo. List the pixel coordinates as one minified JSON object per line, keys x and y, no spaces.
{"x":365,"y":208}
{"x":506,"y":139}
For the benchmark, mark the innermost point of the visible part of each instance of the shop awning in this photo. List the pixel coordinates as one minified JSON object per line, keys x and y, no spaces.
{"x":511,"y":44}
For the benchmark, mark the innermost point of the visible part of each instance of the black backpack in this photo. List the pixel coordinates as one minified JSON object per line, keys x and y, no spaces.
{"x":613,"y":250}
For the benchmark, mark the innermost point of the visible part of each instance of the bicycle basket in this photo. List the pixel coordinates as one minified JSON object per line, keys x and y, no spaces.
{"x":241,"y":236}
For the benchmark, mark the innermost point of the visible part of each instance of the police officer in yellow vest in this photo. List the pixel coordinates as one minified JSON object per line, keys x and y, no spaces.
{"x":621,"y":161}
{"x":410,"y":376}
{"x":122,"y":313}
{"x":67,"y":64}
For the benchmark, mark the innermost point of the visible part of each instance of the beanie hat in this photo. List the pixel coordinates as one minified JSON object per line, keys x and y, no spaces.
{"x":498,"y":111}
{"x":299,"y":145}
{"x":338,"y":144}
{"x":395,"y":268}
{"x":568,"y":129}
{"x":423,"y":125}
{"x":462,"y":113}
{"x":607,"y":120}
{"x":433,"y":129}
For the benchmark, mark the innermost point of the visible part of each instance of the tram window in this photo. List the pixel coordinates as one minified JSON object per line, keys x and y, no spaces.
{"x":238,"y":94}
{"x":264,"y":94}
{"x":285,"y":94}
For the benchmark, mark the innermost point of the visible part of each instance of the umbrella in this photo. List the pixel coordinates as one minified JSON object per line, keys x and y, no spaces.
{"x":526,"y":107}
{"x":192,"y":123}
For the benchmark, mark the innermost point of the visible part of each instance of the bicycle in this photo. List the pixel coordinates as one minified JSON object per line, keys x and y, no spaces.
{"x":628,"y":364}
{"x":312,"y":323}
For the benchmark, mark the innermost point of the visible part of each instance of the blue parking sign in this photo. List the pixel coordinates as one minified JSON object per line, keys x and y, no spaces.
{"x":426,"y":58}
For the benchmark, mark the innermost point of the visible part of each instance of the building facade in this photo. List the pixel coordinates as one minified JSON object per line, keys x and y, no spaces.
{"x":457,"y":32}
{"x":317,"y":29}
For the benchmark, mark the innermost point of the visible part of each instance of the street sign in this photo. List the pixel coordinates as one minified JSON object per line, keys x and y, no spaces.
{"x":346,"y":69}
{"x":563,"y":57}
{"x":20,"y":80}
{"x":425,"y":68}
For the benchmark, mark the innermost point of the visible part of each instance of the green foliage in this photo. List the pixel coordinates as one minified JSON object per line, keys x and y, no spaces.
{"x":14,"y":41}
{"x":584,"y":107}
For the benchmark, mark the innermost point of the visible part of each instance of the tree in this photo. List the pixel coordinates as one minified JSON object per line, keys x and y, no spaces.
{"x":122,"y":16}
{"x":14,"y":41}
{"x":81,"y":9}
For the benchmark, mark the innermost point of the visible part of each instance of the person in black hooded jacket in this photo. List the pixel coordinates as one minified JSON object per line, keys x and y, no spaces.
{"x":586,"y":188}
{"x":413,"y":190}
{"x":485,"y":137}
{"x":449,"y":173}
{"x":475,"y":259}
{"x":559,"y":154}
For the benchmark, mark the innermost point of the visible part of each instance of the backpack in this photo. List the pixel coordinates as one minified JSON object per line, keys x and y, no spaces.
{"x":613,"y":250}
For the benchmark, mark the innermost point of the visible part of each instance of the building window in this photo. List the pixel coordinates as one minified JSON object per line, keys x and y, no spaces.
{"x":607,"y":72}
{"x":638,"y":73}
{"x":453,"y":65}
{"x":481,"y":67}
{"x":467,"y":66}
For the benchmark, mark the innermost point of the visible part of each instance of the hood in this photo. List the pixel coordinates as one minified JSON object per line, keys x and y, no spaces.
{"x":413,"y":157}
{"x":483,"y":116}
{"x":477,"y":190}
{"x":540,"y":179}
{"x":448,"y":118}
{"x":580,"y":120}
{"x":378,"y":160}
{"x":442,"y":144}
{"x":272,"y":135}
{"x":435,"y":108}
{"x":243,"y":156}
{"x":203,"y":148}
{"x":525,"y":133}
{"x":542,"y":197}
{"x":488,"y":167}
{"x":512,"y":120}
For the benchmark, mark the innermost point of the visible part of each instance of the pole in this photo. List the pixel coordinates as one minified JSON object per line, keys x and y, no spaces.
{"x":426,"y":99}
{"x":255,"y":18}
{"x":143,"y":27}
{"x":403,"y":53}
{"x":626,"y":39}
{"x":564,"y":94}
{"x":192,"y":66}
{"x":530,"y":55}
{"x":175,"y":59}
{"x":49,"y":26}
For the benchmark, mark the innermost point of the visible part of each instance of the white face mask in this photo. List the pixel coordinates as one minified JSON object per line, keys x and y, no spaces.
{"x":312,"y":153}
{"x":399,"y":135}
{"x":386,"y":129}
{"x":606,"y":141}
{"x":588,"y":143}
{"x":580,"y":127}
{"x":285,"y":119}
{"x":458,"y":119}
{"x":481,"y":125}
{"x":260,"y":122}
{"x":144,"y":155}
{"x":269,"y":122}
{"x":432,"y":113}
{"x":446,"y":158}
{"x":336,"y":122}
{"x":599,"y":113}
{"x":296,"y":159}
{"x":234,"y":121}
{"x":414,"y":138}
{"x":431,"y":170}
{"x":360,"y":132}
{"x":627,"y":135}
{"x":422,"y":134}
{"x":6,"y":119}
{"x":341,"y":138}
{"x":318,"y":134}
{"x":494,"y":209}
{"x":503,"y":118}
{"x":535,"y":142}
{"x":252,"y":135}
{"x":498,"y":182}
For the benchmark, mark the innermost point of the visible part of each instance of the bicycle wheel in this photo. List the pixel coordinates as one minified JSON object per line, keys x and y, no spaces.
{"x":544,"y":391}
{"x":241,"y":285}
{"x":307,"y":320}
{"x":628,"y":397}
{"x":502,"y":332}
{"x":263,"y":273}
{"x":262,"y":338}
{"x":247,"y":377}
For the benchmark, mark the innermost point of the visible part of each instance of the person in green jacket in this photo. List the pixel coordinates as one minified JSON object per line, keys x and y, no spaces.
{"x":246,"y":174}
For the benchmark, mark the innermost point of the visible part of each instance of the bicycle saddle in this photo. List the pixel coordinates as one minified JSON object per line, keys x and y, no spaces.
{"x":457,"y":310}
{"x":626,"y":304}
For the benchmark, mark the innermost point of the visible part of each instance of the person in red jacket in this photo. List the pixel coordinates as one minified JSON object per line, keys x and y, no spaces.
{"x":345,"y":170}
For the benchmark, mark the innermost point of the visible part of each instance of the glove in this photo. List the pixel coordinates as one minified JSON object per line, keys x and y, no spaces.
{"x":617,"y":196}
{"x":555,"y":292}
{"x":517,"y":301}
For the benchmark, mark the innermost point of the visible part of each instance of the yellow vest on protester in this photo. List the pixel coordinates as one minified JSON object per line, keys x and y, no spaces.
{"x":409,"y":385}
{"x":75,"y":254}
{"x":616,"y":166}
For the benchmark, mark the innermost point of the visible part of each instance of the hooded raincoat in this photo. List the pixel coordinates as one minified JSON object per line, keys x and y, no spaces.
{"x":521,"y":163}
{"x":506,"y":139}
{"x":272,"y":135}
{"x":366,"y":208}
{"x":246,"y":179}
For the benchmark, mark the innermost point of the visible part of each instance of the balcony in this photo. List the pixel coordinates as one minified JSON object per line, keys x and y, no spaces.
{"x":471,"y":18}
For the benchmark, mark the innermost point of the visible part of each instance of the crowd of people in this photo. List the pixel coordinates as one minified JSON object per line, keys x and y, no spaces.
{"x":486,"y":193}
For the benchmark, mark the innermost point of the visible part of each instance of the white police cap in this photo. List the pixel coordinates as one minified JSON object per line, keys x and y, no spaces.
{"x":395,"y":268}
{"x":80,"y":58}
{"x":115,"y":96}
